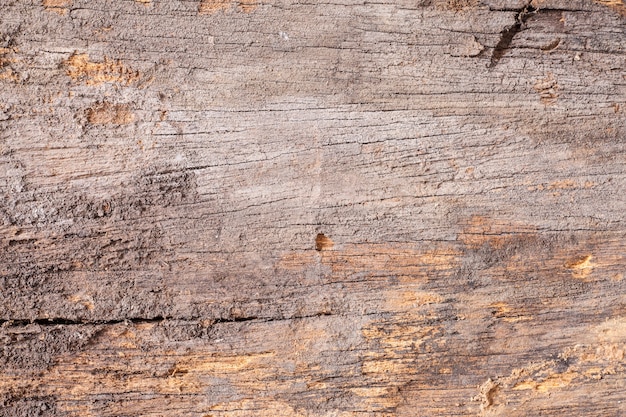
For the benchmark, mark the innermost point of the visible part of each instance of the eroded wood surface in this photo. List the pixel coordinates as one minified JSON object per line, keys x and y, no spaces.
{"x":287,"y":208}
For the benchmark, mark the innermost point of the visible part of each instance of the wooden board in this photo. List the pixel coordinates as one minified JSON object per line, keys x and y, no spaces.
{"x":286,"y":208}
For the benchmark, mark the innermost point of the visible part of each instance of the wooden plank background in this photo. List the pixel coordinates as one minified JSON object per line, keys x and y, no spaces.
{"x":289,"y":208}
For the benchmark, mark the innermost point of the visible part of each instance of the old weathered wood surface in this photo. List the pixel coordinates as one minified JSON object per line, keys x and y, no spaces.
{"x":291,"y":208}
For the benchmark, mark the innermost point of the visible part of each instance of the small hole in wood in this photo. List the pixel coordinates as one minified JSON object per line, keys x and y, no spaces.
{"x":322,"y":242}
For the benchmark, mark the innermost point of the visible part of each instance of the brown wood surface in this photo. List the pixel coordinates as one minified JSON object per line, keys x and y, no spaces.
{"x":226,"y":208}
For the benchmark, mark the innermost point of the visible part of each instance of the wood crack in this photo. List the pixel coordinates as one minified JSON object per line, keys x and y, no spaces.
{"x":143,"y":320}
{"x":507,"y":35}
{"x":70,"y":322}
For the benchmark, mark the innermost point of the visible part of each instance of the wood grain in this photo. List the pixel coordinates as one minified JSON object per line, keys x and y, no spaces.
{"x":286,"y":208}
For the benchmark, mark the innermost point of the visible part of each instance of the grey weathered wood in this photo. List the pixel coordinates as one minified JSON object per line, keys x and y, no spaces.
{"x":312,"y":209}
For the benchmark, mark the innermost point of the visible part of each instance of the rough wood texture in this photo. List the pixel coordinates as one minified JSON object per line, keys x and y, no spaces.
{"x":289,"y":208}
